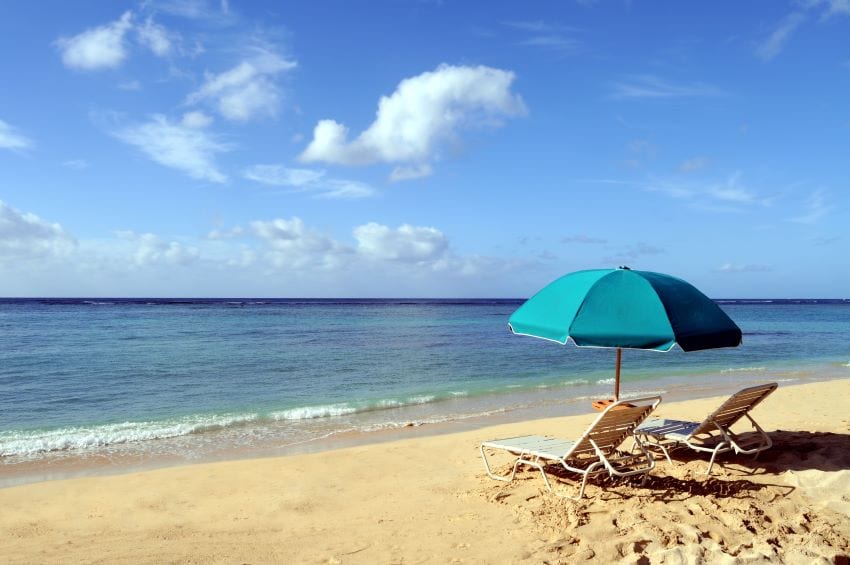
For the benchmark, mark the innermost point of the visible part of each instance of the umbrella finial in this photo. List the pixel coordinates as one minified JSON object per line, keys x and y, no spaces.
{"x":625,"y":268}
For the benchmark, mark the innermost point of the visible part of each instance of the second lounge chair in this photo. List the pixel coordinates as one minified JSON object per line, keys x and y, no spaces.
{"x":596,"y":451}
{"x":712,"y":435}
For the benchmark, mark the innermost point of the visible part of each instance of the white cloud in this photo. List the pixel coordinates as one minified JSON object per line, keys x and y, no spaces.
{"x":815,"y":209}
{"x":649,"y":86}
{"x":247,"y":90}
{"x":101,"y":47}
{"x":423,"y":112}
{"x":187,"y":149}
{"x":731,"y":191}
{"x":773,"y":45}
{"x":407,"y":243}
{"x":152,"y":250}
{"x":283,"y":176}
{"x":26,"y":236}
{"x":155,"y":37}
{"x":10,"y":138}
{"x":308,"y":180}
{"x":293,"y":245}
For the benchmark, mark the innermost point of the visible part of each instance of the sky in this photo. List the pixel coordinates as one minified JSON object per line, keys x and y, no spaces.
{"x":226,"y":148}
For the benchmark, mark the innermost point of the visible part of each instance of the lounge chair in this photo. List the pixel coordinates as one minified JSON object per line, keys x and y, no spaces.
{"x":596,"y":451}
{"x":712,"y":435}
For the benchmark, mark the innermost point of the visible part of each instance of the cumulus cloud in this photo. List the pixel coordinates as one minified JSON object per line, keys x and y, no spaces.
{"x":102,"y":47}
{"x":308,"y":180}
{"x":407,"y":243}
{"x":775,"y":42}
{"x":423,"y":112}
{"x":26,"y":236}
{"x":188,"y":149}
{"x":247,"y":90}
{"x":295,"y":245}
{"x":10,"y":138}
{"x":153,"y":250}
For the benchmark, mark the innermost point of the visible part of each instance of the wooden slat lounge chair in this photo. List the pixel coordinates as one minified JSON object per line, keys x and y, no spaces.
{"x":596,"y":451}
{"x":712,"y":435}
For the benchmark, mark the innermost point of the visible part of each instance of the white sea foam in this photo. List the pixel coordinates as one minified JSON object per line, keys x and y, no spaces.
{"x":576,"y":382}
{"x":744,"y":370}
{"x":605,"y":381}
{"x":28,"y":443}
{"x":310,"y":412}
{"x":459,"y":393}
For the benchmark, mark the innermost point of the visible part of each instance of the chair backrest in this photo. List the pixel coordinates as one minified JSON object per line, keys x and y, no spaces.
{"x":735,"y":408}
{"x":613,"y":426}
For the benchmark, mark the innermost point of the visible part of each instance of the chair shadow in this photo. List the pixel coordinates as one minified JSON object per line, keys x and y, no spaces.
{"x":791,"y":451}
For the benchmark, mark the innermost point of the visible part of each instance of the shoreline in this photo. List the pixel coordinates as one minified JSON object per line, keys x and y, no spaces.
{"x":428,"y":499}
{"x":132,"y":457}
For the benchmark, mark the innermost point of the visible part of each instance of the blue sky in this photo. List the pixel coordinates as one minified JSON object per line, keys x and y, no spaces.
{"x":447,"y":149}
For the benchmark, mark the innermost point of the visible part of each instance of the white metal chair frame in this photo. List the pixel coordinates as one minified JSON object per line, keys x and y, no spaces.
{"x":668,"y":435}
{"x":596,"y":451}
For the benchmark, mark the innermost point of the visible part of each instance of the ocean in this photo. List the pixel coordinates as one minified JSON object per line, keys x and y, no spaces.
{"x":133,"y":383}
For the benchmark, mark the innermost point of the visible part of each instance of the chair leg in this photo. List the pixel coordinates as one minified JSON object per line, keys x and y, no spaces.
{"x":492,"y":475}
{"x":714,"y":454}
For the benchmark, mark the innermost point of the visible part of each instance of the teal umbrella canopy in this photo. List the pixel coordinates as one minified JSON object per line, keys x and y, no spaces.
{"x":623,"y":308}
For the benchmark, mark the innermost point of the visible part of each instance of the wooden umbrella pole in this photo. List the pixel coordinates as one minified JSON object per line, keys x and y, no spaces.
{"x":617,"y":375}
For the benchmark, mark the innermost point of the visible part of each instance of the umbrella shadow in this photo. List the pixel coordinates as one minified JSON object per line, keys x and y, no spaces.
{"x":803,"y":451}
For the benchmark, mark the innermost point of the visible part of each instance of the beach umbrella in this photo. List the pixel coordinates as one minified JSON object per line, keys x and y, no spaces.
{"x":625,"y":309}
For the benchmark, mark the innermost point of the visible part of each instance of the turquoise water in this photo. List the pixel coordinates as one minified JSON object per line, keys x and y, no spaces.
{"x":184,"y":378}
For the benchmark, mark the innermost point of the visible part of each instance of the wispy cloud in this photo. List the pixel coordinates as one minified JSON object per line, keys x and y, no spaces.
{"x":76,"y":164}
{"x":583,"y":239}
{"x":730,"y":195}
{"x":545,"y":35}
{"x":191,"y":150}
{"x":694,"y":164}
{"x":815,"y":207}
{"x":247,"y":90}
{"x":633,"y":252}
{"x":11,"y":138}
{"x":743,"y":268}
{"x":775,"y":42}
{"x":650,"y":86}
{"x":822,"y":240}
{"x":308,"y":180}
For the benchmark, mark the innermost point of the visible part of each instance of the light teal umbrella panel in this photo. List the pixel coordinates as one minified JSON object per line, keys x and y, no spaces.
{"x":623,"y":308}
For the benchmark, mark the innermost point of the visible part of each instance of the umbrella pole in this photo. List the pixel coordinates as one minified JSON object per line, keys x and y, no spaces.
{"x":617,"y":375}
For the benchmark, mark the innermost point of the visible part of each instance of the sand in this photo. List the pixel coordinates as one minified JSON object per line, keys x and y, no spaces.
{"x":428,"y":500}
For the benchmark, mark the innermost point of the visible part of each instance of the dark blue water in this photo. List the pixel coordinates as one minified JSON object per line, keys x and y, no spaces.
{"x":81,"y":376}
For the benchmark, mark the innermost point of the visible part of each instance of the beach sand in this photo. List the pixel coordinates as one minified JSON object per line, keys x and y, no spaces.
{"x":428,"y":500}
